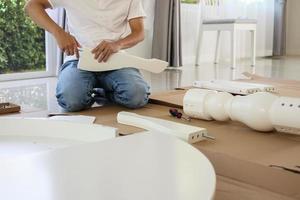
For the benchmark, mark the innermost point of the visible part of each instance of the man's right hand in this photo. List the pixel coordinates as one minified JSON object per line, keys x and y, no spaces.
{"x":67,"y":42}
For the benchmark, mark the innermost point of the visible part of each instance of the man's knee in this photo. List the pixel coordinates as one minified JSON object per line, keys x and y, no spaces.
{"x":73,"y":100}
{"x":73,"y":97}
{"x":74,"y":88}
{"x":134,"y":96}
{"x":137,"y":96}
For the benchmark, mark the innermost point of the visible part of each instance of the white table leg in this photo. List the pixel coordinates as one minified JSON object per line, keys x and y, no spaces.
{"x":253,"y":38}
{"x":233,"y":54}
{"x":198,"y":51}
{"x":217,"y":52}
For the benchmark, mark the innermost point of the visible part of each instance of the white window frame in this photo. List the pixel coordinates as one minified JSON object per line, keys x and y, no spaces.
{"x":52,"y":61}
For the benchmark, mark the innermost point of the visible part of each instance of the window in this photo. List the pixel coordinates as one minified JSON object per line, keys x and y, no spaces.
{"x":22,"y":44}
{"x":190,"y":1}
{"x":206,"y":2}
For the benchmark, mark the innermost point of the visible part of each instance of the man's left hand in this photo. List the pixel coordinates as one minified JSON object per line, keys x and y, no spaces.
{"x":104,"y":50}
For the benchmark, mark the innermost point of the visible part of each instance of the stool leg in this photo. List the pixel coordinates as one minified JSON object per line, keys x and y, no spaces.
{"x":217,"y":52}
{"x":253,"y":38}
{"x":198,"y":51}
{"x":233,"y":54}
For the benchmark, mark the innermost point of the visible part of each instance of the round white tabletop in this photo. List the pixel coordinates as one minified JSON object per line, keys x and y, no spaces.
{"x":146,"y":166}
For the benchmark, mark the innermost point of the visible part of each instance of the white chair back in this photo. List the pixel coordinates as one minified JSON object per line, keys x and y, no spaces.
{"x":211,"y":9}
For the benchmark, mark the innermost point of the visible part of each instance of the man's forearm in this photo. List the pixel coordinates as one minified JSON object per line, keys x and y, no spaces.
{"x":37,"y":13}
{"x":36,"y":9}
{"x":131,"y":40}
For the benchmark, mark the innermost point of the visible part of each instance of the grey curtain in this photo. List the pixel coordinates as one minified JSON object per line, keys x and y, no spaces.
{"x":167,"y":32}
{"x":279,"y":45}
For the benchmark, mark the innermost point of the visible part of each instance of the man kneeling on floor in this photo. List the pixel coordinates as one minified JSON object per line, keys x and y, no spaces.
{"x":100,"y":25}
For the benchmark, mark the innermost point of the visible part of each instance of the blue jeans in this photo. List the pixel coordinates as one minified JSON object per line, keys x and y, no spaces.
{"x":75,"y":87}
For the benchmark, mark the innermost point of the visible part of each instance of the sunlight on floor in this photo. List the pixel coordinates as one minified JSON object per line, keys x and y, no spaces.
{"x":37,"y":96}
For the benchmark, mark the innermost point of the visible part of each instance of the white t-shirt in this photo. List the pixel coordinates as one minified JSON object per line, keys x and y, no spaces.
{"x":92,"y":21}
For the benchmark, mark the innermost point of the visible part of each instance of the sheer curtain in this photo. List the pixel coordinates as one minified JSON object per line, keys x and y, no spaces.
{"x":62,"y":21}
{"x":55,"y":55}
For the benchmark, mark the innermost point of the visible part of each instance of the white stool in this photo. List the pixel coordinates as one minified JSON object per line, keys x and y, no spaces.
{"x":232,"y":25}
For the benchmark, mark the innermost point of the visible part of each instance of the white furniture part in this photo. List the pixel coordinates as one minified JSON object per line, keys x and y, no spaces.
{"x":206,"y":104}
{"x":234,"y":87}
{"x":260,"y":111}
{"x":232,"y":25}
{"x":19,"y":137}
{"x":74,"y":118}
{"x":141,"y":166}
{"x":285,"y":115}
{"x":119,"y":60}
{"x":190,"y":134}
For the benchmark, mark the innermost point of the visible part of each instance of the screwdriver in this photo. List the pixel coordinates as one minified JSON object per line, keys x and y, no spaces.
{"x":175,"y":113}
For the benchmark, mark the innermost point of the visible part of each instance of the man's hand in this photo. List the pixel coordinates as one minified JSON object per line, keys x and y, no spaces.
{"x":104,"y":50}
{"x":67,"y":43}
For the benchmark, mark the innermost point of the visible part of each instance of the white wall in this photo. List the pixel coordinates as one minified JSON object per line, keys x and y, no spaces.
{"x":257,"y":9}
{"x":293,"y":27}
{"x":263,"y":11}
{"x":144,"y":49}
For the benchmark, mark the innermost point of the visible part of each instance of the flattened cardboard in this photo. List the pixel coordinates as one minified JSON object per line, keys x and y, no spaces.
{"x":228,"y":189}
{"x":289,"y":88}
{"x":171,"y":98}
{"x":246,"y":155}
{"x":238,"y":153}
